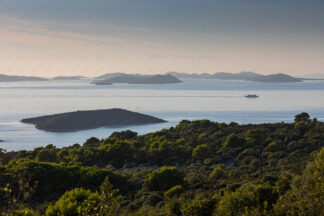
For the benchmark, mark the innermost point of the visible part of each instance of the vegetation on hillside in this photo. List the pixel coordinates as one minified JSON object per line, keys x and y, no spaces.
{"x":196,"y":168}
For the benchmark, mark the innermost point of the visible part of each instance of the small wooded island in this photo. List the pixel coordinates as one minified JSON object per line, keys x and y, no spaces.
{"x":84,"y":120}
{"x":139,"y":79}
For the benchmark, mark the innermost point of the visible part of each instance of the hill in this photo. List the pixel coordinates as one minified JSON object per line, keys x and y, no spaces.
{"x":108,"y":76}
{"x":83,"y":120}
{"x":195,"y":168}
{"x":7,"y":78}
{"x":246,"y":76}
{"x":140,"y":79}
{"x":276,"y":78}
{"x":191,"y":76}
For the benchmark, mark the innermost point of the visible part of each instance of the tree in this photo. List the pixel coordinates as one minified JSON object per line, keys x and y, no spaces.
{"x":306,"y":196}
{"x":2,"y":154}
{"x":47,"y":155}
{"x":14,"y":196}
{"x":92,"y":142}
{"x":108,"y":202}
{"x":302,"y":117}
{"x":128,"y":134}
{"x":257,"y":137}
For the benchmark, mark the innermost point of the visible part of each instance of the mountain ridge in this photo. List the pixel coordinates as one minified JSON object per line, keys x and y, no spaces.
{"x":9,"y":78}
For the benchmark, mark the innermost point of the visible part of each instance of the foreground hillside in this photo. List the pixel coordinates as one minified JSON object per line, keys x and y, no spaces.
{"x":196,"y":168}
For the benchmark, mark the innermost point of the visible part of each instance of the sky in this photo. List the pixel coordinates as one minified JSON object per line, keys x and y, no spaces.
{"x":92,"y":37}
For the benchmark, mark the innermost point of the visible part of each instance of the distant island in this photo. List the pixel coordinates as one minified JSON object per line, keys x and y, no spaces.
{"x":109,"y":75}
{"x":68,"y":78}
{"x":251,"y":96}
{"x":168,"y":78}
{"x":84,"y":120}
{"x":246,"y":76}
{"x":140,"y":79}
{"x":8,"y":78}
{"x":276,"y":78}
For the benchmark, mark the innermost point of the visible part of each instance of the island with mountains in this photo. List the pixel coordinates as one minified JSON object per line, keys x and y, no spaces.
{"x":245,"y":76}
{"x":91,"y":119}
{"x":140,"y":79}
{"x":175,"y":77}
{"x":167,"y":78}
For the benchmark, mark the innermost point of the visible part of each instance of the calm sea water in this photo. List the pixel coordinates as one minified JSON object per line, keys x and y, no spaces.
{"x":221,"y":101}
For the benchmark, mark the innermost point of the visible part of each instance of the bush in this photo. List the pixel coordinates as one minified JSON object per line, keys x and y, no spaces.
{"x":23,"y":212}
{"x":233,"y":141}
{"x":164,"y":178}
{"x":199,"y":207}
{"x":249,"y":198}
{"x":70,"y":203}
{"x":201,"y":151}
{"x":217,"y":173}
{"x":174,"y":191}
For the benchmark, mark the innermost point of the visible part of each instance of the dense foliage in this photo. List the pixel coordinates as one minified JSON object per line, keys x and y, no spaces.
{"x":196,"y":168}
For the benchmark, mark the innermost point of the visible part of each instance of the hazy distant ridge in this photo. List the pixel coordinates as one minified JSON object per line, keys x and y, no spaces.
{"x":7,"y":78}
{"x":140,"y":79}
{"x":168,"y":78}
{"x":246,"y":76}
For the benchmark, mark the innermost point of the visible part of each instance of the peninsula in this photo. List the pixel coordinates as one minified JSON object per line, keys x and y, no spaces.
{"x":85,"y":120}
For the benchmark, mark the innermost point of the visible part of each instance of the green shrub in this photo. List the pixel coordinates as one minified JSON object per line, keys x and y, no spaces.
{"x":200,"y":152}
{"x":174,"y":191}
{"x":23,"y":212}
{"x":164,"y":178}
{"x":233,"y":141}
{"x":70,"y":203}
{"x":198,"y":207}
{"x":217,"y":173}
{"x":248,"y":198}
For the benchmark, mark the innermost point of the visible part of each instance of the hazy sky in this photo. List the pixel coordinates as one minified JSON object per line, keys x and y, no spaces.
{"x":92,"y":37}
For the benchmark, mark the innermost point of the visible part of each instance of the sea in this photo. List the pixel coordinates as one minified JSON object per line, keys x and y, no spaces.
{"x":194,"y":99}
